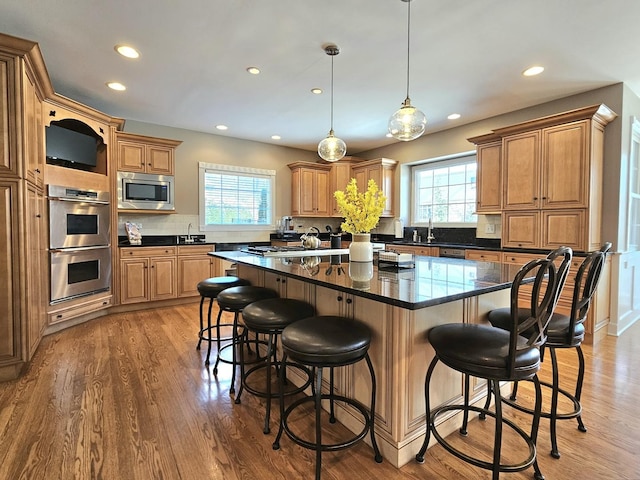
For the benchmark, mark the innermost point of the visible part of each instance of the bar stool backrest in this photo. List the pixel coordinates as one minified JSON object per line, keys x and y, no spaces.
{"x":566,"y":253}
{"x":586,"y":283}
{"x":532,"y":325}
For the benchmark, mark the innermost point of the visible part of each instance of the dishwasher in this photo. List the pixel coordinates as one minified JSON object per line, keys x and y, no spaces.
{"x":449,"y":252}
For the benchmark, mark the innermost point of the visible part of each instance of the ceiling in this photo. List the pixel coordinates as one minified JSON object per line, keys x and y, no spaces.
{"x":466,"y":58}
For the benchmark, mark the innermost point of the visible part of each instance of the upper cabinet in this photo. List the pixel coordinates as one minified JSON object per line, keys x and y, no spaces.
{"x":382,"y":170}
{"x":139,"y":153}
{"x":313,"y":184}
{"x":550,"y":176}
{"x":310,"y":189}
{"x":489,"y":174}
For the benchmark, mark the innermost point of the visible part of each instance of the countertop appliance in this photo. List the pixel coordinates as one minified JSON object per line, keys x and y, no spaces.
{"x":79,"y":251}
{"x":142,"y":191}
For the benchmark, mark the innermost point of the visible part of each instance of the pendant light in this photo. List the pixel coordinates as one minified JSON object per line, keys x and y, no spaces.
{"x":408,"y":123}
{"x":332,"y":148}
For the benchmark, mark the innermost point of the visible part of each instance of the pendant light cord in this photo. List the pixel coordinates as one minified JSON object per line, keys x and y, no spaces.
{"x":332,"y":92}
{"x":408,"y":40}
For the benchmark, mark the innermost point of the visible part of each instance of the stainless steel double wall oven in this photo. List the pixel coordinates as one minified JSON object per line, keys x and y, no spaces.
{"x":79,"y":242}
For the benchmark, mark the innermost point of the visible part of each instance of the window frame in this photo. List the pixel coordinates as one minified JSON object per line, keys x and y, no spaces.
{"x":449,"y":161}
{"x":204,"y":167}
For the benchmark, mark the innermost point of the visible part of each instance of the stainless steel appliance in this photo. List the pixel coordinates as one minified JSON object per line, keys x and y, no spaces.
{"x":142,"y":191}
{"x":78,"y":218}
{"x":79,"y":251}
{"x":76,"y":272}
{"x":451,"y":252}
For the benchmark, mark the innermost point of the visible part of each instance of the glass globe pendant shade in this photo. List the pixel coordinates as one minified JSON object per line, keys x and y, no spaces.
{"x":408,"y":123}
{"x":331,"y":148}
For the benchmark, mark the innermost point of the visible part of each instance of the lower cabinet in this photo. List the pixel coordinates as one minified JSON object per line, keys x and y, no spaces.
{"x":194,"y":265}
{"x":426,"y":251}
{"x":483,"y":255}
{"x":147,"y":274}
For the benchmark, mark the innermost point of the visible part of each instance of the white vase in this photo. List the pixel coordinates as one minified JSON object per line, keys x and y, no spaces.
{"x":361,"y":248}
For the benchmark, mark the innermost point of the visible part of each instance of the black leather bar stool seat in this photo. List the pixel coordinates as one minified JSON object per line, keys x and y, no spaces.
{"x":319,"y":342}
{"x":234,"y":300}
{"x":563,"y":331}
{"x":495,"y":355}
{"x":210,"y":288}
{"x":269,"y":317}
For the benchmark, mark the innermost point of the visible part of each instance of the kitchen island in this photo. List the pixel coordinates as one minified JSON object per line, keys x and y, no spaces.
{"x":399,"y":305}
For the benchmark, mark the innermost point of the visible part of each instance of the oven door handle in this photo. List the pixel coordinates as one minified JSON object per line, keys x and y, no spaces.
{"x":77,"y":249}
{"x":80,"y":200}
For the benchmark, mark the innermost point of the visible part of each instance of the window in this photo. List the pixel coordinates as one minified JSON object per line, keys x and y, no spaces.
{"x":232,"y":196}
{"x":445,"y":191}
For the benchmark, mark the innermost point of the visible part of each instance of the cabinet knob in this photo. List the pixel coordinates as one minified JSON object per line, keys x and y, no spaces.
{"x":535,"y":198}
{"x":278,"y":279}
{"x":149,"y":164}
{"x":339,"y":298}
{"x":38,"y":215}
{"x":348,"y":301}
{"x":37,"y":170}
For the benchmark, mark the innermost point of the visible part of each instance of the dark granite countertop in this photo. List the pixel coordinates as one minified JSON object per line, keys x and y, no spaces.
{"x":433,"y":281}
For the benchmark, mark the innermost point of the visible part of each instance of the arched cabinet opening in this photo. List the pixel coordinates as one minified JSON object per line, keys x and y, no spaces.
{"x":71,"y":143}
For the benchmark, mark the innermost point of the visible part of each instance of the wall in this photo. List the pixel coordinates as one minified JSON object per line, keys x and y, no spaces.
{"x":204,"y":147}
{"x":625,"y":268}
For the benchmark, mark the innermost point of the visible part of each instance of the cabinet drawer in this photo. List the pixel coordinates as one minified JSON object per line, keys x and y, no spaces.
{"x":195,"y":249}
{"x":519,"y":258}
{"x":483,"y":255}
{"x":147,"y":252}
{"x":68,"y":313}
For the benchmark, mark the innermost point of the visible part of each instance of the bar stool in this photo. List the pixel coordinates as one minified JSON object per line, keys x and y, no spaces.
{"x":234,"y":300}
{"x":564,"y":331}
{"x":495,"y":355}
{"x":210,"y":288}
{"x":270,"y":317}
{"x":319,"y":342}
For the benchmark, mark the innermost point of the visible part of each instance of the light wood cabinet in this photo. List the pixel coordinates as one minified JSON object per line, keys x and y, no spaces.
{"x":310,"y":185}
{"x":194,"y":265}
{"x":23,"y":268}
{"x":147,"y":274}
{"x":416,"y":250}
{"x":139,"y":153}
{"x":483,"y":255}
{"x":551,"y":172}
{"x":340,"y":177}
{"x":489,"y":174}
{"x":382,"y":171}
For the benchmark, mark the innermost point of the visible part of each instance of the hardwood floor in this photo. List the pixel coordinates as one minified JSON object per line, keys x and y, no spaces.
{"x":128,"y":397}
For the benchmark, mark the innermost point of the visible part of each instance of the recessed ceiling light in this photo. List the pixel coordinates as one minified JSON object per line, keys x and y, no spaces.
{"x":316,"y":91}
{"x":454,"y":116}
{"x":531,"y":71}
{"x":116,"y":86}
{"x":276,"y":137}
{"x":253,"y":70}
{"x":222,"y":127}
{"x":127,"y":51}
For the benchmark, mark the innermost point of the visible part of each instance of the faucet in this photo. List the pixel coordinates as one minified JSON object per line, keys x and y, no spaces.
{"x":189,"y":239}
{"x":430,"y":236}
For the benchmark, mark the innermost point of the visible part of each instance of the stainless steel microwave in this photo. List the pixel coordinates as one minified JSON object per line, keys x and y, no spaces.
{"x":142,"y":191}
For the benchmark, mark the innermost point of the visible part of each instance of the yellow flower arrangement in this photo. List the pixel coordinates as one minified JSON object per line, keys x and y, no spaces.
{"x":361,"y":211}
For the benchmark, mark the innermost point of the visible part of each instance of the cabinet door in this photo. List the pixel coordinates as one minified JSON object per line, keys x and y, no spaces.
{"x":565,"y":166}
{"x":323,"y":198}
{"x":191,"y":271}
{"x":7,"y":107}
{"x":131,"y":157}
{"x":382,"y":171}
{"x":307,"y":193}
{"x":9,"y":270}
{"x":36,"y":318}
{"x":133,"y":280}
{"x":162,"y":278}
{"x":489,"y":181}
{"x":564,"y":227}
{"x":33,"y":134}
{"x":160,"y":160}
{"x":521,"y":229}
{"x":483,"y":255}
{"x":340,"y":176}
{"x":521,"y":171}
